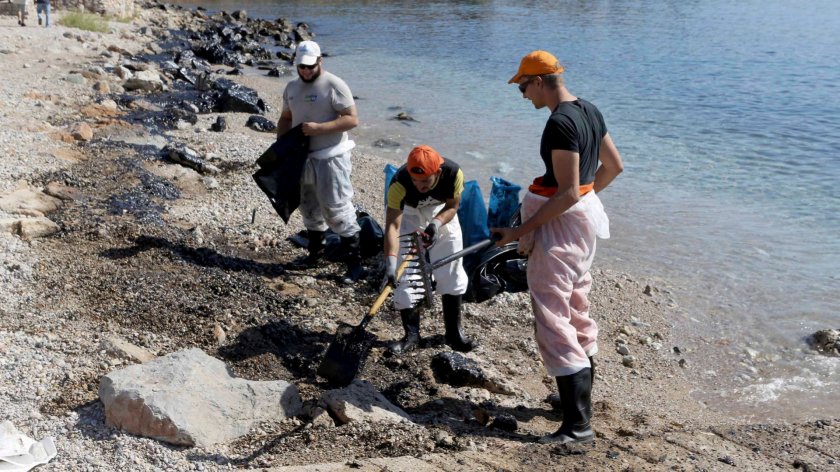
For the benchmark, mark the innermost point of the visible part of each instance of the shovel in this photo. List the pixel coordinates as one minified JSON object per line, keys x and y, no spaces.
{"x":348,"y":351}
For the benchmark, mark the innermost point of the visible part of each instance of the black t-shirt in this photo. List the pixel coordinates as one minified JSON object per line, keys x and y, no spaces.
{"x":402,"y":192}
{"x":575,"y":126}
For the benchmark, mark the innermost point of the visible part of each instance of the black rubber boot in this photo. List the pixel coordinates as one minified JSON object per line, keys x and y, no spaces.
{"x":452,"y":322}
{"x":316,"y":251}
{"x":555,"y":400}
{"x":411,"y":324}
{"x":353,"y":258}
{"x":576,"y":397}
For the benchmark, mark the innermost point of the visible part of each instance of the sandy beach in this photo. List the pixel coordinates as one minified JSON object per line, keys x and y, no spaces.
{"x":132,"y":245}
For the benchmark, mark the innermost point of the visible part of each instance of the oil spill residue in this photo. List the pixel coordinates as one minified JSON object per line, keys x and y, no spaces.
{"x":141,"y":200}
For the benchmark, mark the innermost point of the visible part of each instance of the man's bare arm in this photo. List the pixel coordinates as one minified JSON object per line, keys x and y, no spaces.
{"x":393,"y":220}
{"x":284,"y":124}
{"x":611,"y":164}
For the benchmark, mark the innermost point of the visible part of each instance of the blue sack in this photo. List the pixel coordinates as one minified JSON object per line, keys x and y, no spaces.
{"x":472,"y":215}
{"x":504,"y":200}
{"x":390,"y":171}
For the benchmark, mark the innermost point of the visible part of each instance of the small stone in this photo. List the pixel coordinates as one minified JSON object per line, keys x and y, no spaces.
{"x":505,"y":423}
{"x":102,"y":87}
{"x":727,"y":460}
{"x":647,"y":290}
{"x":628,"y":361}
{"x":210,"y":182}
{"x":623,"y":350}
{"x":219,"y":334}
{"x":322,"y":419}
{"x":683,"y":363}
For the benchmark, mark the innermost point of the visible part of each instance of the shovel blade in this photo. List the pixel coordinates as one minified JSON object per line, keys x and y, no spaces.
{"x":346,"y":355}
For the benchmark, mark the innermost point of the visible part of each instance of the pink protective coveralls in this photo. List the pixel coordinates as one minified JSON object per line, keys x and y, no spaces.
{"x":561,"y":253}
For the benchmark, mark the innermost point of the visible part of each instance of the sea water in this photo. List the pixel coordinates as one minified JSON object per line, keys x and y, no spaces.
{"x":726,"y":115}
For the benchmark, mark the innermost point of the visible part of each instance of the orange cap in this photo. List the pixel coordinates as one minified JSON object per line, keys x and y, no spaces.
{"x":537,"y":63}
{"x":424,"y":161}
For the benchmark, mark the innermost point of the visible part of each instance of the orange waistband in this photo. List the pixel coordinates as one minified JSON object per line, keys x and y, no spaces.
{"x":538,"y":188}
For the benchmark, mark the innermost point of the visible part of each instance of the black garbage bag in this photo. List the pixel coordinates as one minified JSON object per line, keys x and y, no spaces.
{"x":495,"y":270}
{"x":371,"y":239}
{"x":281,"y":167}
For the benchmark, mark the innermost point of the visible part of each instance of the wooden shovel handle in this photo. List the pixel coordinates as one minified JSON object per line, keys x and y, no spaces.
{"x":387,"y":290}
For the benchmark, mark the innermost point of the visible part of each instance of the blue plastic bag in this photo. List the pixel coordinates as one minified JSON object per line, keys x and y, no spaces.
{"x":472,"y":214}
{"x":504,"y":200}
{"x":390,"y":171}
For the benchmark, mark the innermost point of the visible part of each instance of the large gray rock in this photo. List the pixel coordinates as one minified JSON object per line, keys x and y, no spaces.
{"x":189,"y":398}
{"x":361,"y":402}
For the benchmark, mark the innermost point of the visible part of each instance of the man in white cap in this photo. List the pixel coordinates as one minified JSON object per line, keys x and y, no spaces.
{"x":323,"y":104}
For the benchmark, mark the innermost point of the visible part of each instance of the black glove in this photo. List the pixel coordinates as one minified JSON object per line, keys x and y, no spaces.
{"x":390,"y":272}
{"x":431,"y":232}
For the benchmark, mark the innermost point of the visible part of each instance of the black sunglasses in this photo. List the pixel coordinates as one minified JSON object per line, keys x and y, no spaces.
{"x":306,"y":67}
{"x":524,"y":85}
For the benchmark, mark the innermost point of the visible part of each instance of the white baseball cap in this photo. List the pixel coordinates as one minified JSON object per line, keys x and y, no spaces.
{"x":307,"y":53}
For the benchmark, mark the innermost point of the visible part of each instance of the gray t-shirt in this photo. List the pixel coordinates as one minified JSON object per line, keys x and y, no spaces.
{"x":318,"y":102}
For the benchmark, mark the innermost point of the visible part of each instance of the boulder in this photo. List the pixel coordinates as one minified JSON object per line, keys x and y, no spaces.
{"x":458,"y":370}
{"x":239,"y":99}
{"x":360,"y":402}
{"x":31,"y":228}
{"x":22,"y":200}
{"x":189,"y":398}
{"x":826,"y":341}
{"x":61,"y":191}
{"x":146,"y":80}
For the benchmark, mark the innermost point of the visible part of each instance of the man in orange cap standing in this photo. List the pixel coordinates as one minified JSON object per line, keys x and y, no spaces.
{"x":561,"y":217}
{"x":424,"y":195}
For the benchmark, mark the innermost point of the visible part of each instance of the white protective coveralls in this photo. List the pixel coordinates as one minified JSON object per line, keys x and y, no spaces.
{"x":561,"y":253}
{"x":451,"y":278}
{"x":326,"y":193}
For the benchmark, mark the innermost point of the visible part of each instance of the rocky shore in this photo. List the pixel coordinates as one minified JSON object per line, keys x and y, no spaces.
{"x":131,"y":230}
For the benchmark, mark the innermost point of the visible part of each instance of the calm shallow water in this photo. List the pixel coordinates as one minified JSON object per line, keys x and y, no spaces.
{"x":726,"y":116}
